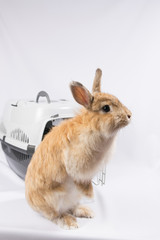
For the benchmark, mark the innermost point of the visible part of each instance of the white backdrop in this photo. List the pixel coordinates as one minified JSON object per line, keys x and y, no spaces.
{"x":46,"y":44}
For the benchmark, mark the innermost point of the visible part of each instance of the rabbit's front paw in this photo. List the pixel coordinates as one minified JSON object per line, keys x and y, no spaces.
{"x":83,"y":212}
{"x":67,"y":221}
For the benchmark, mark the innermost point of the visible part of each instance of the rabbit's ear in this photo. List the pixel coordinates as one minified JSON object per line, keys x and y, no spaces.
{"x":81,"y":94}
{"x":97,"y":81}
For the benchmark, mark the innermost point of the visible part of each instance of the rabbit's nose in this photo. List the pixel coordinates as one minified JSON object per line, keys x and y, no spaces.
{"x":129,"y":114}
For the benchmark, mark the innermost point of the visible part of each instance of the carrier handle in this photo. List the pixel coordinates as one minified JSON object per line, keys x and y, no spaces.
{"x":43,"y":94}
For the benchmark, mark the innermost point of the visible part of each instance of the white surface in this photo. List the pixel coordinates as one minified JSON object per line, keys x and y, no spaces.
{"x":126,"y":208}
{"x":46,"y":44}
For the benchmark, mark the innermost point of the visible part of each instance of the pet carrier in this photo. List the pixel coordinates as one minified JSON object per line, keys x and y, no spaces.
{"x":24,"y":125}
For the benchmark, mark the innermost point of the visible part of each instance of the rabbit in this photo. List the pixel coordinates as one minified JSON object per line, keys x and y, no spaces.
{"x":61,"y":170}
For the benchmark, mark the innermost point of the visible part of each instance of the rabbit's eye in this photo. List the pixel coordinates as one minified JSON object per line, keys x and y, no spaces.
{"x":106,"y":108}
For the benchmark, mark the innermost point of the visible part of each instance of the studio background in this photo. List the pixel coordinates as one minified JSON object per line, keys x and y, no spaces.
{"x":44,"y":45}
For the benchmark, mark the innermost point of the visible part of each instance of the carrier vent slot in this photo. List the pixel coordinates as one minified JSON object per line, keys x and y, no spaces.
{"x":20,"y":156}
{"x":19,"y":135}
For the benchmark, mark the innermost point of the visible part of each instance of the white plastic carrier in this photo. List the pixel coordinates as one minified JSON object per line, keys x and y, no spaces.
{"x":24,"y":125}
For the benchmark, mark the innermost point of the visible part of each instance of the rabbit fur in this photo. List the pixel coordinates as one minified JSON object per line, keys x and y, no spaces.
{"x":70,"y":155}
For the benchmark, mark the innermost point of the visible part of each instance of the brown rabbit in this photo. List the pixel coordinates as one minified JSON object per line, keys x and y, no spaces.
{"x":63,"y":165}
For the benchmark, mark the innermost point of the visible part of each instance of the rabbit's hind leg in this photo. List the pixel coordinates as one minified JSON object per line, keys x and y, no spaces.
{"x":41,"y":202}
{"x":48,"y":204}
